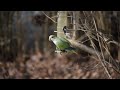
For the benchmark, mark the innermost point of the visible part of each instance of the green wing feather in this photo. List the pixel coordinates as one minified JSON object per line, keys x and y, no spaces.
{"x":63,"y":39}
{"x":69,"y":49}
{"x":60,"y":43}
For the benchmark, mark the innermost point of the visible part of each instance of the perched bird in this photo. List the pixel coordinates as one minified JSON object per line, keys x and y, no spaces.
{"x":62,"y":44}
{"x":67,"y":34}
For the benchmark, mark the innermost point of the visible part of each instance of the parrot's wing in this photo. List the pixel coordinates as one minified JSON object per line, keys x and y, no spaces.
{"x":63,"y":39}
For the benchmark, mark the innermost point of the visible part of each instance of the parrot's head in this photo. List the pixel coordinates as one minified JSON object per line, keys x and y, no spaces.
{"x":51,"y":37}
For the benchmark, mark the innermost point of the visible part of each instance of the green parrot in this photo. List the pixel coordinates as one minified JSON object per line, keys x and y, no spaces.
{"x":62,"y":44}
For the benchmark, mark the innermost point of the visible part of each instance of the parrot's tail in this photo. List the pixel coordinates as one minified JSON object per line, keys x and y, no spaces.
{"x":71,"y":49}
{"x":75,"y":52}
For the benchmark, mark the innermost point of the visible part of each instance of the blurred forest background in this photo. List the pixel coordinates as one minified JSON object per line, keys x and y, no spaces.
{"x":27,"y":53}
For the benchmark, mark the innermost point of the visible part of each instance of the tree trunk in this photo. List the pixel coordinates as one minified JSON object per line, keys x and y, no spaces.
{"x":61,"y":22}
{"x":46,"y":33}
{"x":75,"y":24}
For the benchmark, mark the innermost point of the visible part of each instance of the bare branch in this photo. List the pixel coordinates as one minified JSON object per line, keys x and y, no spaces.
{"x":49,"y":17}
{"x":102,"y":62}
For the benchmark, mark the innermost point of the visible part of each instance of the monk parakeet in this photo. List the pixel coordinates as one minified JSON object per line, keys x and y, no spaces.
{"x":62,"y":44}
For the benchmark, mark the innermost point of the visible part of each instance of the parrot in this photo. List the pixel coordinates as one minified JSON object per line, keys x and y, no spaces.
{"x":67,"y":34}
{"x":62,"y":44}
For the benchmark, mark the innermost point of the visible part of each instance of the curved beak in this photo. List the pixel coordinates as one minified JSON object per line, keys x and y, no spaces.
{"x":49,"y":38}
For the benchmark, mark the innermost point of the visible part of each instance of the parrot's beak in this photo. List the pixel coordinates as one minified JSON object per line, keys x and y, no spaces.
{"x":49,"y":38}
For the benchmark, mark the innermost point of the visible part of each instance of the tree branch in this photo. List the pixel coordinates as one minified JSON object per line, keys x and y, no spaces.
{"x":49,"y":17}
{"x":114,"y":63}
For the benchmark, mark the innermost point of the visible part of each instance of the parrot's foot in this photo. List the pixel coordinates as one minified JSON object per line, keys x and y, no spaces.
{"x":57,"y":51}
{"x":63,"y":50}
{"x":60,"y":51}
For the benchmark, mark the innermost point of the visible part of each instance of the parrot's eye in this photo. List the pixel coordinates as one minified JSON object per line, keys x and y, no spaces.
{"x":52,"y":37}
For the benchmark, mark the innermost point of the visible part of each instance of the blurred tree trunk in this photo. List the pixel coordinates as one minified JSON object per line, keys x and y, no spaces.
{"x":119,"y":36}
{"x":9,"y":47}
{"x":46,"y":33}
{"x":19,"y":32}
{"x":115,"y":33}
{"x":61,"y":22}
{"x":102,"y":21}
{"x":76,"y":15}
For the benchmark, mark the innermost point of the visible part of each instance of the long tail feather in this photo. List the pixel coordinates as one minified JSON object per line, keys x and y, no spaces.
{"x":75,"y":52}
{"x":71,"y":49}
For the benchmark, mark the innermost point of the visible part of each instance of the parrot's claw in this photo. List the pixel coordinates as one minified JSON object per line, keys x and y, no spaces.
{"x":61,"y":51}
{"x":58,"y":51}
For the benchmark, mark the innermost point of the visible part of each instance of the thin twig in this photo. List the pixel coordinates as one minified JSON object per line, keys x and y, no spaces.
{"x":49,"y":17}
